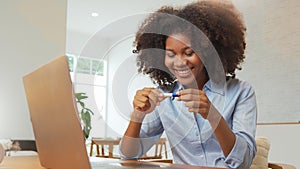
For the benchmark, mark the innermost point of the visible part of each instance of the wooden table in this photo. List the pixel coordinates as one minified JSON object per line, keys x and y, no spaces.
{"x":104,"y":142}
{"x":32,"y":162}
{"x":21,"y":162}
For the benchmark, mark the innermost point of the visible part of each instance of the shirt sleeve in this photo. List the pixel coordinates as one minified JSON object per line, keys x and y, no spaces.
{"x":240,"y":156}
{"x":244,"y":128}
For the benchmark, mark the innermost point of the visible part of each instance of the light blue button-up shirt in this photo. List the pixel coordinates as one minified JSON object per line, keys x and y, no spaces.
{"x":192,"y":138}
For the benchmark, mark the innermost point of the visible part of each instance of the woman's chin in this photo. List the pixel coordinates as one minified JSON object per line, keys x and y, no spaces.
{"x":189,"y":82}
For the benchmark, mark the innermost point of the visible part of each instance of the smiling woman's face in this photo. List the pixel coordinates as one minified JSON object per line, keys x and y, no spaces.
{"x":182,"y":61}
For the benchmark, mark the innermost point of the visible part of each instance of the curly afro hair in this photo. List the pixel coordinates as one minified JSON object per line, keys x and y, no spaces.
{"x":220,"y":23}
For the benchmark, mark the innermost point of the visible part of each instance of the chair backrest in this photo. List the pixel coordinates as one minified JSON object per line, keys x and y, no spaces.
{"x":261,"y":161}
{"x":160,"y":146}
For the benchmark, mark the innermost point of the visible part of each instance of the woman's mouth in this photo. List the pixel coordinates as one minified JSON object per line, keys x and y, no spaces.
{"x":183,"y":73}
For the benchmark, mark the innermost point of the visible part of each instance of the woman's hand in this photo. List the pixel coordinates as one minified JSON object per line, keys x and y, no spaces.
{"x":146,"y":99}
{"x":195,"y":100}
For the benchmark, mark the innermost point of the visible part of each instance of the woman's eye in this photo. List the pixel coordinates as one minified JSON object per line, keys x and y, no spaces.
{"x":170,"y":55}
{"x":189,"y":53}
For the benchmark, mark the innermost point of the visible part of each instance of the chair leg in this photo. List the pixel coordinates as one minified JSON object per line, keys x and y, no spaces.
{"x":97,"y":146}
{"x":91,"y":149}
{"x":156,"y":150}
{"x":166,"y":155}
{"x":102,"y":150}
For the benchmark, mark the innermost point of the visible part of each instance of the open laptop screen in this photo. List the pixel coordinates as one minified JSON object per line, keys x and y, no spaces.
{"x":57,"y":130}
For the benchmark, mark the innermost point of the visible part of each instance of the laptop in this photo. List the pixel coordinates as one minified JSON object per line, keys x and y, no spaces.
{"x":56,"y":125}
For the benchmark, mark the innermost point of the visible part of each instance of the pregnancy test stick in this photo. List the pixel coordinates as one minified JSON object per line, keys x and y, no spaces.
{"x":170,"y":95}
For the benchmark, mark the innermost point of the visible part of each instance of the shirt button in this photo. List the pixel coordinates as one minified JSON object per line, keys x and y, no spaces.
{"x":201,"y":156}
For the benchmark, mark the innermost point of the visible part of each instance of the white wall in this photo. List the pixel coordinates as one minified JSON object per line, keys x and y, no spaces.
{"x":284,"y":141}
{"x":32,"y":33}
{"x":272,"y":57}
{"x":272,"y":67}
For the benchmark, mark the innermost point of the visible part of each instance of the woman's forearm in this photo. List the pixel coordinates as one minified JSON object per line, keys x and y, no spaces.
{"x":131,"y":140}
{"x":222,"y":131}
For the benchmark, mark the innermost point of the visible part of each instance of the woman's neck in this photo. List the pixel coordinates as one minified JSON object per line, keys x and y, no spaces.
{"x":199,"y":82}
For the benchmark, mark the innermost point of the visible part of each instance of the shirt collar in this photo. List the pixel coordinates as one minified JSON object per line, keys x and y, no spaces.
{"x":215,"y":87}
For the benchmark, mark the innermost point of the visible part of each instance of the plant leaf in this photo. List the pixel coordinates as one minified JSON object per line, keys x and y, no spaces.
{"x":80,"y":96}
{"x":88,"y":118}
{"x":82,"y":104}
{"x":85,"y":114}
{"x":89,"y":110}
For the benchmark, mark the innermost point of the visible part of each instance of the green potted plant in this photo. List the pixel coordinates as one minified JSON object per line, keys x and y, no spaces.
{"x":85,"y":114}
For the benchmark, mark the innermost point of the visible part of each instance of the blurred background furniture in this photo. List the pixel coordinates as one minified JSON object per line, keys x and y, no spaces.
{"x":280,"y":166}
{"x":160,"y":148}
{"x":18,"y":147}
{"x":22,"y":148}
{"x":28,"y":145}
{"x":105,"y":144}
{"x":261,"y":160}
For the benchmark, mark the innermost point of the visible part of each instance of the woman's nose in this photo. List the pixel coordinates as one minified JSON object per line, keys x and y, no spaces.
{"x":180,"y":61}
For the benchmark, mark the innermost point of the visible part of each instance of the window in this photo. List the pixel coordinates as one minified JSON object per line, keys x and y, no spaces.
{"x":86,"y":65}
{"x":89,"y":76}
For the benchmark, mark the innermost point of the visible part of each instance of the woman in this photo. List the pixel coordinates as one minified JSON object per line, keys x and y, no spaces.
{"x":193,"y":52}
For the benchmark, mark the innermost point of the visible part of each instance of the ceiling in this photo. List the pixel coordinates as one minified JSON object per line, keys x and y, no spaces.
{"x":79,"y":18}
{"x":116,"y":20}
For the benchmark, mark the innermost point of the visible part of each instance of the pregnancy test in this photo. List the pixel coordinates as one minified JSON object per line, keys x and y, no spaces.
{"x":170,"y":95}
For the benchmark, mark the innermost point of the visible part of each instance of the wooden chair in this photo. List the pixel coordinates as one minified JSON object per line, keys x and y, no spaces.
{"x":160,"y":145}
{"x":261,"y":158}
{"x":104,"y":143}
{"x":280,"y":166}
